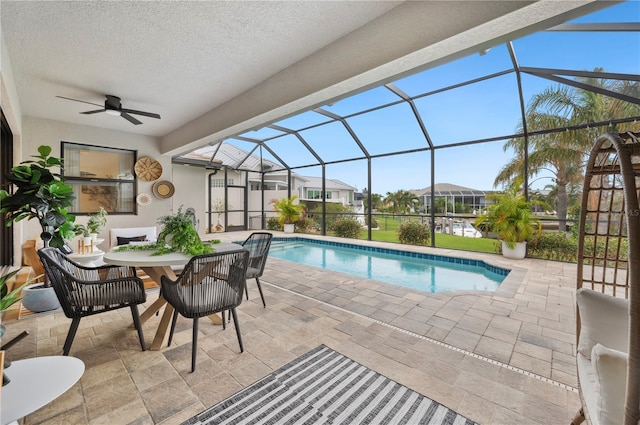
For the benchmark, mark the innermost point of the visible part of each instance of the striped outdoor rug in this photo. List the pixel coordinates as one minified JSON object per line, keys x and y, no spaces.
{"x":325,"y":387}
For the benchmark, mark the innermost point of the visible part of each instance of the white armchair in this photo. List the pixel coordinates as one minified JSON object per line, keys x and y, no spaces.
{"x":602,"y":355}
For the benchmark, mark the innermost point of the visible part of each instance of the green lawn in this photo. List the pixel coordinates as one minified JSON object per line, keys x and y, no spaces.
{"x":442,"y":241}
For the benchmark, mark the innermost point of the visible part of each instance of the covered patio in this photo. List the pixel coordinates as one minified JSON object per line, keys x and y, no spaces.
{"x":499,"y":358}
{"x":270,"y":89}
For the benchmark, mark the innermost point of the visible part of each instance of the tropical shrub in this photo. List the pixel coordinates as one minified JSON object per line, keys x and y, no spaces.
{"x":606,"y":250}
{"x":553,"y":246}
{"x":414,"y":233}
{"x":374,"y":222}
{"x":304,"y":225}
{"x":510,"y":217}
{"x":347,"y":227}
{"x":334,"y":211}
{"x":273,"y":223}
{"x":289,"y":212}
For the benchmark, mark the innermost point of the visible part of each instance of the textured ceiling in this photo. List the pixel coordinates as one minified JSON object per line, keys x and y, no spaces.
{"x":187,"y":60}
{"x":178,"y":59}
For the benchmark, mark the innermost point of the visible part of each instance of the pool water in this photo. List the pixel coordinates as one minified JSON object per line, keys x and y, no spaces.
{"x":425,"y":272}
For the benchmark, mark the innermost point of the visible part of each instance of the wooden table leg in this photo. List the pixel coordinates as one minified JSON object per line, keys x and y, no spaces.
{"x":156,"y":274}
{"x":215,"y":318}
{"x":161,"y":333}
{"x":153,"y":309}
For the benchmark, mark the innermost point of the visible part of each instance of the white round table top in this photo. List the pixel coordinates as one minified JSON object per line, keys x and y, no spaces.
{"x":36,"y":382}
{"x":145,"y":259}
{"x":90,"y":255}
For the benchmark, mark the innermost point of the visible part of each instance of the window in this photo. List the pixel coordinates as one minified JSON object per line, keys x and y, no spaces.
{"x":220,"y":182}
{"x":100,"y":177}
{"x":317,"y":194}
{"x":314,"y":194}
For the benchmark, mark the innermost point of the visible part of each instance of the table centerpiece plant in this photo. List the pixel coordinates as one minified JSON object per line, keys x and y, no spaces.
{"x":178,"y":234}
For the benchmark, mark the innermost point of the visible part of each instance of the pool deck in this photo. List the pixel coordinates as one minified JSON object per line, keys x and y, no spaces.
{"x":499,"y":358}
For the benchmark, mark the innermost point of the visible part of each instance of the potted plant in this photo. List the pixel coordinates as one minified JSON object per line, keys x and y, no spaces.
{"x":40,"y":194}
{"x":289,"y":212}
{"x":8,"y":298}
{"x":178,"y":234}
{"x":96,"y":222}
{"x":83,"y":231}
{"x":511,"y":218}
{"x":219,"y":207}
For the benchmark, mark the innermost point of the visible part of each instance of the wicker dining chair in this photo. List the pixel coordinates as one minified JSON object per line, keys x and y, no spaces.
{"x":85,"y":291}
{"x":258,"y":244}
{"x":209,"y":283}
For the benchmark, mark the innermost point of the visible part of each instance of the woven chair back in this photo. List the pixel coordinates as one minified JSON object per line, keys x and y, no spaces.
{"x":609,"y":239}
{"x":209,"y":284}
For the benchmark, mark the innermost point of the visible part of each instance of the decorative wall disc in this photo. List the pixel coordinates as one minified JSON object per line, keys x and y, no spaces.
{"x":148,"y":169}
{"x":143,"y":199}
{"x":163,"y":189}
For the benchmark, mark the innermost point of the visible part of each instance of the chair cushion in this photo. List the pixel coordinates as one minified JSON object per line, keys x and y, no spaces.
{"x":124,"y":240}
{"x":610,"y":369}
{"x":252,"y":272}
{"x":604,"y":319}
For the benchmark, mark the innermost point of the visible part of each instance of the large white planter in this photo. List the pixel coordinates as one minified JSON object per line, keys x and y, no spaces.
{"x":37,"y":298}
{"x":516,"y":253}
{"x":289,"y":228}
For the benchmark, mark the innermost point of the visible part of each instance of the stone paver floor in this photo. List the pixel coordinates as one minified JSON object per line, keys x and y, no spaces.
{"x":498,"y":358}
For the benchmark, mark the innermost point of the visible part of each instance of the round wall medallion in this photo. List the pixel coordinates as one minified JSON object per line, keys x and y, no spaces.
{"x":148,"y":169}
{"x":143,"y":199}
{"x":163,"y":189}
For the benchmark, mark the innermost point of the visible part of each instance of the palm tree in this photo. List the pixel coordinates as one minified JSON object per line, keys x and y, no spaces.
{"x":563,"y":154}
{"x":403,"y":201}
{"x":376,"y":200}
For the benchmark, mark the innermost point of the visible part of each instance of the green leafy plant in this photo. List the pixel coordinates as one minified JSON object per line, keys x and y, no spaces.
{"x":80,"y":230}
{"x":289,"y":212}
{"x":510,"y":217}
{"x":40,"y":194}
{"x":414,"y":233}
{"x":347,"y":227}
{"x":334,"y":211}
{"x":178,"y":234}
{"x":8,"y":298}
{"x":304,"y":225}
{"x":273,"y":223}
{"x":553,"y":246}
{"x":97,"y":221}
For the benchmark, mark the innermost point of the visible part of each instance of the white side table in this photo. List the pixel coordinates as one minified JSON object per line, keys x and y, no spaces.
{"x":36,"y":382}
{"x":91,"y":259}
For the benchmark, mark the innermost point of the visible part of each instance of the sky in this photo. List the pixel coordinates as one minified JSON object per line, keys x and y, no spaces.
{"x":487,"y":109}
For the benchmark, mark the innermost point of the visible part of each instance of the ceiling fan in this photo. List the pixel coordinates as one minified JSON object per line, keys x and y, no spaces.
{"x":112,"y":106}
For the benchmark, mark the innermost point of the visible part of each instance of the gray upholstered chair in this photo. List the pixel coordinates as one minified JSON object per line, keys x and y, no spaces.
{"x":85,"y":291}
{"x":258,"y":244}
{"x":209,"y":283}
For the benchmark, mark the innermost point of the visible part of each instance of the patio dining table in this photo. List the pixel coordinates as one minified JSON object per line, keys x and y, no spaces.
{"x":155,"y":266}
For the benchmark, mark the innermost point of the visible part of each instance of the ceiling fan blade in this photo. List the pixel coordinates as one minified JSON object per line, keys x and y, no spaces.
{"x":93,"y":112}
{"x":146,"y":114}
{"x":129,"y":118}
{"x":76,"y":100}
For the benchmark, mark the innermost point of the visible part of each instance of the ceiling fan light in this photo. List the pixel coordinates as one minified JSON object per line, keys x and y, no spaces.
{"x":113,"y":112}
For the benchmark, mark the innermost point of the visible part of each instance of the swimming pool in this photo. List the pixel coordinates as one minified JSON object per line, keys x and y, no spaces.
{"x":426,"y":272}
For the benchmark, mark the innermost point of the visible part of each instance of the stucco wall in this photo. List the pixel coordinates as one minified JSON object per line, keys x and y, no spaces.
{"x":38,"y":131}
